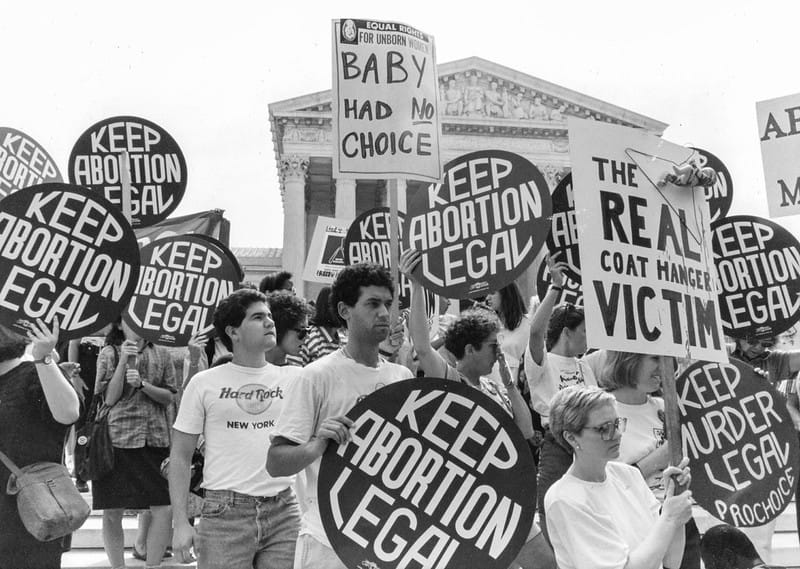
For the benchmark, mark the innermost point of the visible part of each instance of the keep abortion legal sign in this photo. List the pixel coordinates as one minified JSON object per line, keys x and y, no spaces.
{"x":66,"y":254}
{"x":23,"y":162}
{"x":182,"y":279}
{"x":482,"y":227}
{"x":155,"y":163}
{"x":436,"y":474}
{"x":648,"y":275}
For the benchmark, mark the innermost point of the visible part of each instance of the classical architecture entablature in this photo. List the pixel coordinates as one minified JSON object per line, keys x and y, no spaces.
{"x":476,"y":98}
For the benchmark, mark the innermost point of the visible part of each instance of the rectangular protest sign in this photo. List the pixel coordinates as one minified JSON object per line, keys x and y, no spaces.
{"x":326,"y":254}
{"x":778,"y":125}
{"x":649,"y":281}
{"x":385,"y":101}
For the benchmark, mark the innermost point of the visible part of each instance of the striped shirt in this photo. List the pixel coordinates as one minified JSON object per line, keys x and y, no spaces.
{"x":319,"y":342}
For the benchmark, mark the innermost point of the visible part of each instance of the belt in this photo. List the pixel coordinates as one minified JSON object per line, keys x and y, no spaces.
{"x":239,"y":498}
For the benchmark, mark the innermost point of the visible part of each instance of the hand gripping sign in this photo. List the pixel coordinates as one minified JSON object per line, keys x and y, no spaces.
{"x":156,"y":164}
{"x":480,"y":229}
{"x":23,"y":162}
{"x":182,"y":280}
{"x":740,"y":441}
{"x":436,"y":475}
{"x":563,"y":235}
{"x":758,"y":268}
{"x":572,"y":292}
{"x":66,"y":253}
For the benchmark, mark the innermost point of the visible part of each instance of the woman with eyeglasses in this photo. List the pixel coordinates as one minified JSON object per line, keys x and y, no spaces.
{"x":601,"y":513}
{"x":290,"y":314}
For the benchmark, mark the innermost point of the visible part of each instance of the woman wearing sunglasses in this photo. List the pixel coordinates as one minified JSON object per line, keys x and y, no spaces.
{"x":601,"y":513}
{"x":290,"y":314}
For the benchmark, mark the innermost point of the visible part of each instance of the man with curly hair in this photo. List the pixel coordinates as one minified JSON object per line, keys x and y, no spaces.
{"x":325,"y":390}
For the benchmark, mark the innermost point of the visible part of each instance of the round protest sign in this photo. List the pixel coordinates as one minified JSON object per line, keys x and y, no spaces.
{"x":480,"y":229}
{"x":155,"y":162}
{"x":572,"y":292}
{"x":65,"y":253}
{"x":758,"y":268}
{"x":720,"y":195}
{"x":562,"y":239}
{"x":23,"y":162}
{"x":436,"y":474}
{"x":740,"y":441}
{"x":368,"y":241}
{"x":182,"y":280}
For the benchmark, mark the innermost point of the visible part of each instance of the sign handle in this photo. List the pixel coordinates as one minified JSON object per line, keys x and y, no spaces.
{"x":666,"y":367}
{"x":394,"y":244}
{"x":125,"y":182}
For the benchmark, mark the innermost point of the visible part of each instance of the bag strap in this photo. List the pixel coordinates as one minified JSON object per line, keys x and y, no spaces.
{"x":9,"y":464}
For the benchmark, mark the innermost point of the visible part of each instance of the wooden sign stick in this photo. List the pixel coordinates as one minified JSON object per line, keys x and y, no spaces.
{"x":125,"y":182}
{"x":666,"y":367}
{"x":394,"y":245}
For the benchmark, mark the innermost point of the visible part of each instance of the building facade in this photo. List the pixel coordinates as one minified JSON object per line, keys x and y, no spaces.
{"x":483,"y":105}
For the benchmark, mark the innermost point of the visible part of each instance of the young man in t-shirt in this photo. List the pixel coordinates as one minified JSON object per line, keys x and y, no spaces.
{"x":315,"y":408}
{"x":250,"y":519}
{"x":557,"y":340}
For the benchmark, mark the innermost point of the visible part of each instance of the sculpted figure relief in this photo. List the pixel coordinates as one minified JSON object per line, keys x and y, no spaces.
{"x":538,"y":111}
{"x":473,"y":96}
{"x":453,"y":99}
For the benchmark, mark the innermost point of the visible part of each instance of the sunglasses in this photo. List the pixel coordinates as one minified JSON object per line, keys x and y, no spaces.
{"x":609,"y":430}
{"x":301,"y":332}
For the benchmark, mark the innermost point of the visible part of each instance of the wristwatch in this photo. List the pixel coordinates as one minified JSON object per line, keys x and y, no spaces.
{"x":46,"y":360}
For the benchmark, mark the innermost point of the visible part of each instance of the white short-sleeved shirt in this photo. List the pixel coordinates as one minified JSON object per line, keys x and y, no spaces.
{"x":236,"y":408}
{"x":328,"y":387}
{"x":595,"y":525}
{"x":644,"y":433}
{"x":555,"y":373}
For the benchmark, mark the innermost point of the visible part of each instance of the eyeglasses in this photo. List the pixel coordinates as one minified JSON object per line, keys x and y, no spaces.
{"x":609,"y":430}
{"x":301,"y":332}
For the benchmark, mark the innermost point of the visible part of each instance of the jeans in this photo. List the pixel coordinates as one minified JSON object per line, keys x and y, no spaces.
{"x":237,"y":531}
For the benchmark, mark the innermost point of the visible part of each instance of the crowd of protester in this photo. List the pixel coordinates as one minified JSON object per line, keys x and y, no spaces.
{"x":606,"y":495}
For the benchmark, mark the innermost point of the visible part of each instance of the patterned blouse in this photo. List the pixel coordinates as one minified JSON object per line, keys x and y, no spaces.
{"x":135,"y":420}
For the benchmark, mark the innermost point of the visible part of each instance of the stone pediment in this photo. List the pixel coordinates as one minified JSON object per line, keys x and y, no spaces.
{"x":481,"y":97}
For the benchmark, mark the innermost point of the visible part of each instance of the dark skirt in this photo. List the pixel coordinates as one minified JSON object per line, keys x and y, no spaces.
{"x":135,"y":483}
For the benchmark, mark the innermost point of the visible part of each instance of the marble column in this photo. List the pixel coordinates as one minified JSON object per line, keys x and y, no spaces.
{"x":345,"y":198}
{"x":293,"y":171}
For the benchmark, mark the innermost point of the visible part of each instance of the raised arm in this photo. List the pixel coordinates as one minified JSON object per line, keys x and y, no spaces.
{"x":541,"y":317}
{"x":430,"y":361}
{"x":61,"y":397}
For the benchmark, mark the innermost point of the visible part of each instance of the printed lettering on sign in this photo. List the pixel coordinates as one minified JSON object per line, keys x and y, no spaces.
{"x":435,"y":475}
{"x":65,"y":253}
{"x":385,"y":114}
{"x":482,"y":227}
{"x":562,"y":240}
{"x":778,"y":127}
{"x":758,"y":267}
{"x":649,"y":282}
{"x":156,"y":166}
{"x":326,"y":254}
{"x":182,"y":280}
{"x":23,"y":162}
{"x":736,"y":429}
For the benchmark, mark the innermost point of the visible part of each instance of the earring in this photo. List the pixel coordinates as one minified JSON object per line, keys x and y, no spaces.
{"x":577,"y":447}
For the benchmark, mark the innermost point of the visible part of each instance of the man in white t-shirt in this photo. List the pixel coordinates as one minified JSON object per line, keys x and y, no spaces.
{"x":552,"y":363}
{"x":250,"y":519}
{"x":314,"y":413}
